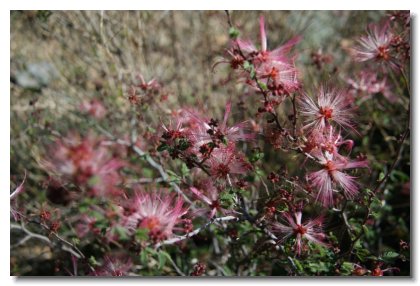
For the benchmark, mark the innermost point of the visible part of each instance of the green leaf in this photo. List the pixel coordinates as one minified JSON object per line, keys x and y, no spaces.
{"x":142,"y":234}
{"x":227,"y":199}
{"x":162,"y":147}
{"x":163,"y":257}
{"x":346,"y":268}
{"x":365,"y":229}
{"x":184,"y":170}
{"x":256,"y":157}
{"x":121,"y":231}
{"x":93,"y":181}
{"x":92,"y":261}
{"x":298,"y":265}
{"x":233,"y":33}
{"x":144,"y":257}
{"x":263,"y":85}
{"x":247,"y":65}
{"x":389,"y":256}
{"x":184,"y":144}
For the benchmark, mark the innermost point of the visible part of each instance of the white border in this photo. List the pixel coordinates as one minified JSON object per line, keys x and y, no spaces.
{"x":183,"y":5}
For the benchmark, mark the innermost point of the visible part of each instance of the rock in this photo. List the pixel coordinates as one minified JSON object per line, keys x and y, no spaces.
{"x":36,"y":75}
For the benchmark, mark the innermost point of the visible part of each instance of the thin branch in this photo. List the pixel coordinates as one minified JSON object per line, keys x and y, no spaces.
{"x":179,"y":271}
{"x":195,"y":232}
{"x":28,"y":236}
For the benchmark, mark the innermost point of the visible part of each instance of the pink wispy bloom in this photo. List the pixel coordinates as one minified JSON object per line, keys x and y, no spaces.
{"x":332,"y":175}
{"x":200,"y":126}
{"x":114,"y":265}
{"x":209,"y":194}
{"x":376,"y":45}
{"x":157,"y":212}
{"x":367,"y":84}
{"x":237,"y":132}
{"x":264,"y":55}
{"x":13,"y":196}
{"x":292,"y":226}
{"x":328,"y":141}
{"x":19,"y":189}
{"x":94,"y":107}
{"x":330,"y":105}
{"x":225,"y":161}
{"x":87,"y":162}
{"x":276,"y":68}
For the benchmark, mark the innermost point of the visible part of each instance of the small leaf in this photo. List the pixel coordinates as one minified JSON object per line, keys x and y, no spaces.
{"x":162,"y":257}
{"x":233,"y":33}
{"x":346,"y":268}
{"x":162,"y":147}
{"x":390,"y":256}
{"x":142,"y":234}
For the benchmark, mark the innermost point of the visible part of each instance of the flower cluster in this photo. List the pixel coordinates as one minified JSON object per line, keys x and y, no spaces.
{"x":322,"y":117}
{"x":272,"y":72}
{"x":207,"y":144}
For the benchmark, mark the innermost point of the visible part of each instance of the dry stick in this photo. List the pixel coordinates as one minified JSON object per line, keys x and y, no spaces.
{"x":66,"y":245}
{"x":179,"y":271}
{"x":28,"y":236}
{"x":196,"y":231}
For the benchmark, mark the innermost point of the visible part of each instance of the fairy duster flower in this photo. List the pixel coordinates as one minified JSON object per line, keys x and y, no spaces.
{"x":292,"y":226}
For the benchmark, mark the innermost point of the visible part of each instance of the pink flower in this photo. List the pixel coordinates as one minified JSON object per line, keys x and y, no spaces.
{"x":158,"y":212}
{"x":94,"y":107}
{"x":327,"y":141}
{"x":332,"y":176}
{"x":237,"y":132}
{"x":86,"y":162}
{"x":225,"y":161}
{"x":209,"y":194}
{"x":19,"y":189}
{"x":310,"y":230}
{"x":376,"y":45}
{"x":329,"y":106}
{"x":278,"y":54}
{"x":274,"y":68}
{"x":13,"y":196}
{"x":114,"y":265}
{"x":204,"y":130}
{"x":367,"y":83}
{"x":149,"y":85}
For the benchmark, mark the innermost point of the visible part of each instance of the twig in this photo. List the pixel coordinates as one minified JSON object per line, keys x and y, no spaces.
{"x":29,"y":235}
{"x":179,"y":271}
{"x":195,"y":232}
